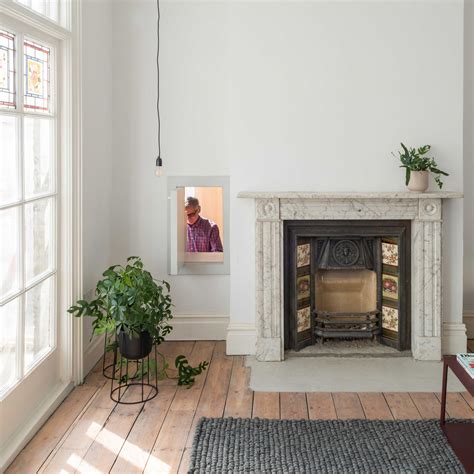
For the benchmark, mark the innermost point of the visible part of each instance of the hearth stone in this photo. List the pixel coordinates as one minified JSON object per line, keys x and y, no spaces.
{"x":423,"y":209}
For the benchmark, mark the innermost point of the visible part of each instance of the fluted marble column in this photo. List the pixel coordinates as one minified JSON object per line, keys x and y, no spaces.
{"x":426,"y":281}
{"x":269,"y":291}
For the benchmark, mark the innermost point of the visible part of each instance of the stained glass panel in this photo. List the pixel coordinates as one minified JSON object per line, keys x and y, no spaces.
{"x":7,"y":70}
{"x":37,"y":77}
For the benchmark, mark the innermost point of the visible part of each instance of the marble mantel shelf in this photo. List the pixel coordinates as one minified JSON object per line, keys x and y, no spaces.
{"x":348,"y":195}
{"x":424,"y":210}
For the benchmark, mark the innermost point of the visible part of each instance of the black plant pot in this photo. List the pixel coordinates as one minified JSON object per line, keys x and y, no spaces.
{"x":134,"y":348}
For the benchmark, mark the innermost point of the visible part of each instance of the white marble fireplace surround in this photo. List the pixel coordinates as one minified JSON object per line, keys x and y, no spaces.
{"x":423,"y":209}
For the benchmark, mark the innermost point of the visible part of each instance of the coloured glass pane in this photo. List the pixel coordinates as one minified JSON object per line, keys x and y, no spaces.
{"x":9,"y":162}
{"x":39,"y":320}
{"x":7,"y":70}
{"x":39,"y":156}
{"x":37,"y":77}
{"x":8,"y":343}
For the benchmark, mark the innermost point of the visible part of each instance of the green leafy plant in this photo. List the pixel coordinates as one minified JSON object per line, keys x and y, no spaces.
{"x":187,"y":373}
{"x":415,"y":159}
{"x":129,"y":299}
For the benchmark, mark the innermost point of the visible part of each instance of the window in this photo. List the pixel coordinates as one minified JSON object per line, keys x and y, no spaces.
{"x":28,"y":205}
{"x":199,"y":217}
{"x":48,"y":8}
{"x":7,"y":70}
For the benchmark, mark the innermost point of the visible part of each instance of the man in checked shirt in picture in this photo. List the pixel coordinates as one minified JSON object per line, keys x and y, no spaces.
{"x":203,"y":234}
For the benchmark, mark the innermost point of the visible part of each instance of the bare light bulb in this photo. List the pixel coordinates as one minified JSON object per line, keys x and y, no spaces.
{"x":159,"y":167}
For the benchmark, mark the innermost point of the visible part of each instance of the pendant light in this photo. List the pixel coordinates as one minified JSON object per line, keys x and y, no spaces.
{"x":159,"y":161}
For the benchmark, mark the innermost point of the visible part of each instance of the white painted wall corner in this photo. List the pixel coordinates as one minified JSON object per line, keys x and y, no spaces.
{"x":454,"y":338}
{"x":241,"y":339}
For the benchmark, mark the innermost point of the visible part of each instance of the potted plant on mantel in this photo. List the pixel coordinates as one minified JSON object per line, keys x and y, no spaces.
{"x":137,"y":308}
{"x":418,"y":166}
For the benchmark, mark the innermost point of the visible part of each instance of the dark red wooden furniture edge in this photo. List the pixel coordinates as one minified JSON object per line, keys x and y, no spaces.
{"x":459,"y":435}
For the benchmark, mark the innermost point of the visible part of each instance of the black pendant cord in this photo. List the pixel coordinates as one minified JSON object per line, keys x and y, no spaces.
{"x":159,"y":161}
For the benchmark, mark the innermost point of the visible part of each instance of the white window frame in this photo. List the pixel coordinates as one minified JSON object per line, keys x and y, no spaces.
{"x":20,"y":113}
{"x":69,"y":208}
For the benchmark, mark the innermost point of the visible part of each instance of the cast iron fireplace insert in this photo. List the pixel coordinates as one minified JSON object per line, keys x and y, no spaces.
{"x":346,"y":280}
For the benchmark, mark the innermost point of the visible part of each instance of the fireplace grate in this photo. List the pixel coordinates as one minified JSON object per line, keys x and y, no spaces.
{"x":352,"y":324}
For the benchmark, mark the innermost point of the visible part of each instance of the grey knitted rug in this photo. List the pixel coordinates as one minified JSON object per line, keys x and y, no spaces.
{"x":321,"y":446}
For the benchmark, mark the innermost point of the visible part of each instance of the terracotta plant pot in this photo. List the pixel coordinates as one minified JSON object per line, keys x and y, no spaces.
{"x":419,"y":181}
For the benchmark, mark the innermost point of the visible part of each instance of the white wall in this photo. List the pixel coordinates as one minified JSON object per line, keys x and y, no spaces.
{"x":194,"y":80}
{"x":322,"y":93}
{"x":469,"y":166}
{"x":280,"y":96}
{"x":98,"y":160}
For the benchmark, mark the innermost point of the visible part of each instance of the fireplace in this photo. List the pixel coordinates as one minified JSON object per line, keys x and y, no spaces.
{"x":345,"y":280}
{"x":416,"y":283}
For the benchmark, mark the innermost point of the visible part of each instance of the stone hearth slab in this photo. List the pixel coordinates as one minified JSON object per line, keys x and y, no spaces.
{"x":348,"y":374}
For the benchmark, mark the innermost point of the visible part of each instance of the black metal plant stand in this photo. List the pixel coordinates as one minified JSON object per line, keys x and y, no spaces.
{"x":107,"y":371}
{"x":133,"y":381}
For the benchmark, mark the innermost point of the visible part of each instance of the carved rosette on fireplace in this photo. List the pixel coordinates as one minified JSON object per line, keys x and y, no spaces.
{"x":346,"y":279}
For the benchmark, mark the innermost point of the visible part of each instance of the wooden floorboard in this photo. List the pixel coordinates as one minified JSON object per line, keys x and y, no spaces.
{"x":239,"y":400}
{"x":266,"y":405}
{"x":321,"y":406}
{"x":89,"y":433}
{"x":402,"y":407}
{"x":427,"y":404}
{"x":136,"y":450}
{"x":375,"y":406}
{"x":43,"y":444}
{"x":74,"y":447}
{"x":293,"y":406}
{"x":457,"y":406}
{"x":348,"y":406}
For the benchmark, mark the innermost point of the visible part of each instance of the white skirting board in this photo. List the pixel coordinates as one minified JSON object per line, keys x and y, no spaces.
{"x":93,"y":352}
{"x":198,"y":327}
{"x":469,"y":322}
{"x":241,"y":339}
{"x":454,"y":338}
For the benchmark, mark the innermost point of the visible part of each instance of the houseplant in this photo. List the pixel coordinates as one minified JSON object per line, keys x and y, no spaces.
{"x":418,"y":166}
{"x":131,"y":304}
